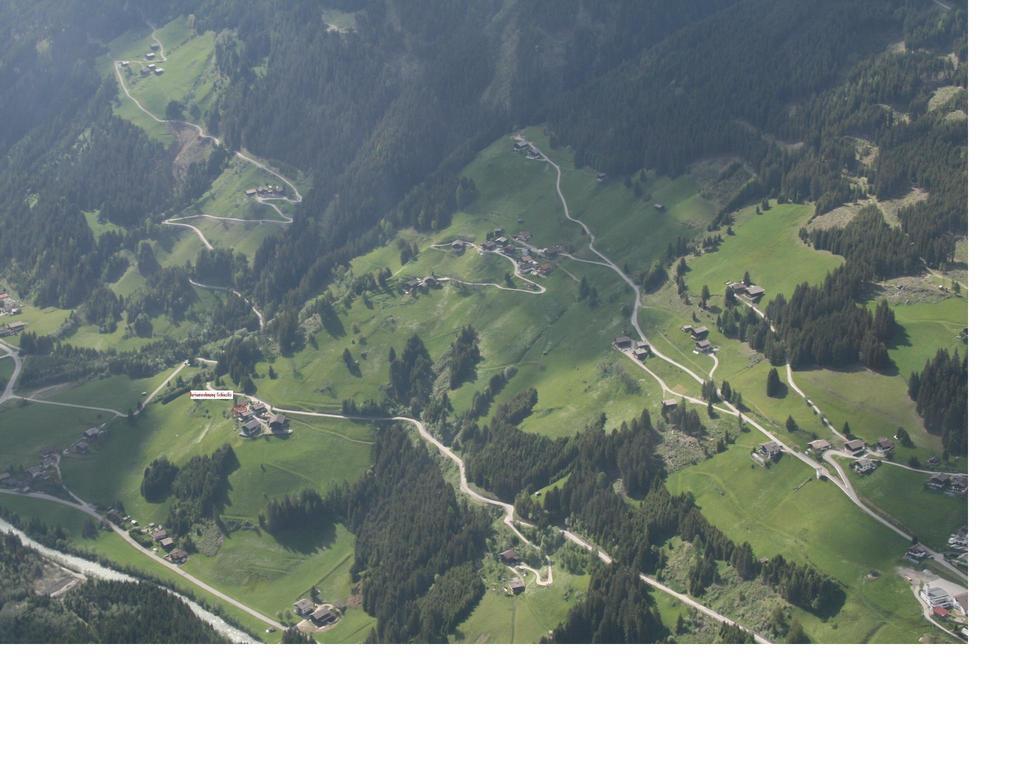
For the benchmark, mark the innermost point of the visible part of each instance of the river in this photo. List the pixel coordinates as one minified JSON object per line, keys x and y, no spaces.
{"x":96,"y":571}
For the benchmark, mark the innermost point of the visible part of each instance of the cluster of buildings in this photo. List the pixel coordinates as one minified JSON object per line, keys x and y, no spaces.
{"x":320,"y":615}
{"x":163,"y":540}
{"x":49,"y":462}
{"x":943,"y":604}
{"x":423,"y":284}
{"x":519,"y":145}
{"x":529,"y":259}
{"x":951,"y":485}
{"x":12,"y":329}
{"x":752,"y":292}
{"x":638,"y":349}
{"x":767,"y":453}
{"x":152,"y":68}
{"x":255,"y":419}
{"x":700,"y":338}
{"x":8,"y":304}
{"x":515,"y":585}
{"x":269,"y":190}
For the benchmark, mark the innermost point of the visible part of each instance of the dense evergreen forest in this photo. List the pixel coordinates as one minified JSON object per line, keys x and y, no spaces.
{"x":93,"y":612}
{"x":940,"y":391}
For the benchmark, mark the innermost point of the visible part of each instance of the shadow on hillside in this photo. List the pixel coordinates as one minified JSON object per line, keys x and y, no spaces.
{"x":309,"y":539}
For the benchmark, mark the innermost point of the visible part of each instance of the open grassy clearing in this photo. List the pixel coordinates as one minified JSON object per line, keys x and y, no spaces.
{"x":109,"y":546}
{"x":523,"y":618}
{"x":247,"y":563}
{"x":786,"y":511}
{"x":339,"y":21}
{"x":99,"y":227}
{"x":118,"y":392}
{"x":190,"y":75}
{"x":901,"y":493}
{"x":40,"y":320}
{"x":226,"y":196}
{"x":257,"y":569}
{"x":313,"y":456}
{"x":927,"y":328}
{"x":768,"y":246}
{"x":33,"y":427}
{"x":629,"y":230}
{"x":874,"y":404}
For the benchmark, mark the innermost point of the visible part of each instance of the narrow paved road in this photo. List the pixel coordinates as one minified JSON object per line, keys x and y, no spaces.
{"x":14,"y":354}
{"x":89,"y":510}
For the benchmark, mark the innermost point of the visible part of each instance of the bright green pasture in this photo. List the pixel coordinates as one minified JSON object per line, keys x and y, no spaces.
{"x":901,"y":493}
{"x":32,"y":427}
{"x":523,"y":618}
{"x":786,"y":511}
{"x":768,"y":246}
{"x":926,"y":328}
{"x":118,"y":392}
{"x":315,"y":455}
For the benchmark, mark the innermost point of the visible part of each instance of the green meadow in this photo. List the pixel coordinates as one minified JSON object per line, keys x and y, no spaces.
{"x":263,"y":571}
{"x":189,"y":77}
{"x":33,"y":427}
{"x":768,"y":246}
{"x":523,"y":618}
{"x":784,"y":510}
{"x":119,"y":392}
{"x":926,"y":328}
{"x":932,"y":516}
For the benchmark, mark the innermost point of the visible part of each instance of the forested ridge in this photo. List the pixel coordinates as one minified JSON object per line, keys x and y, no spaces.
{"x":384,"y":117}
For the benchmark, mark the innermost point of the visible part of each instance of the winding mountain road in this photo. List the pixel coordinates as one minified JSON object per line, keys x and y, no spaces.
{"x":821,"y":471}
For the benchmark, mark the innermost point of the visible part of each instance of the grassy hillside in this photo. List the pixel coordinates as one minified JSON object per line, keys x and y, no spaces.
{"x":786,"y":511}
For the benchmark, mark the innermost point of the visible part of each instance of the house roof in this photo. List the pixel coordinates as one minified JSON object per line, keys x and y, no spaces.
{"x":819,"y":445}
{"x":755,"y":289}
{"x":323,"y":611}
{"x":854,"y":445}
{"x":303,"y":605}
